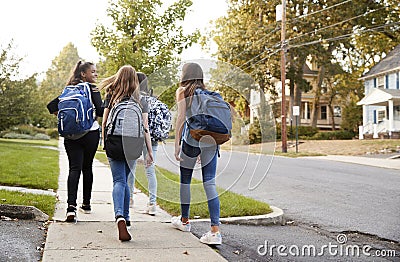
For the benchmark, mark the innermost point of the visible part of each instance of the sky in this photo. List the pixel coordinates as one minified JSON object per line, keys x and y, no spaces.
{"x":41,"y":28}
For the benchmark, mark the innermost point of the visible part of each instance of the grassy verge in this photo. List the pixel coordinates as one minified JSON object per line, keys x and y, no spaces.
{"x":232,"y":204}
{"x":25,"y":163}
{"x":43,"y":202}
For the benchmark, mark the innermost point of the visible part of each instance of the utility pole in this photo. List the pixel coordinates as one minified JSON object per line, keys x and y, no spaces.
{"x":283,"y":78}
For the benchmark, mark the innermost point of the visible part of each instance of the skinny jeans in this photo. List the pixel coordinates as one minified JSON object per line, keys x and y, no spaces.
{"x":150,"y":174}
{"x":120,"y":170}
{"x":208,"y":157}
{"x":80,"y":154}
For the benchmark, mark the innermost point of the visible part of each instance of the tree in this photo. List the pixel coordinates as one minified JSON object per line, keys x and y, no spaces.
{"x":141,"y":36}
{"x":17,"y":103}
{"x":330,"y":32}
{"x":59,"y":72}
{"x":54,"y":82}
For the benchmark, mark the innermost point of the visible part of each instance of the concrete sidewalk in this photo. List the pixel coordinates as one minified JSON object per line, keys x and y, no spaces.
{"x":95,"y":236}
{"x":392,"y":163}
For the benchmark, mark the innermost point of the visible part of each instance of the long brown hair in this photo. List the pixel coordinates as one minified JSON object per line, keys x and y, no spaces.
{"x":121,"y":85}
{"x":192,"y":78}
{"x":76,"y":76}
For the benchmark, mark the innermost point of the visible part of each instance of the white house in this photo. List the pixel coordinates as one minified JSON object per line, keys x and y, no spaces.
{"x":381,"y":104}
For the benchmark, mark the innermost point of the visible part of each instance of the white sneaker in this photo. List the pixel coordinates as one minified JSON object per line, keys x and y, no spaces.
{"x":177,"y":223}
{"x":211,"y":238}
{"x":152,"y":209}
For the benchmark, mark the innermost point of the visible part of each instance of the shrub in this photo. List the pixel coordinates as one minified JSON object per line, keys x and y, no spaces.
{"x":333,"y":135}
{"x":262,"y":132}
{"x":53,"y":133}
{"x":13,"y":135}
{"x":41,"y":137}
{"x":303,"y":131}
{"x":255,"y":132}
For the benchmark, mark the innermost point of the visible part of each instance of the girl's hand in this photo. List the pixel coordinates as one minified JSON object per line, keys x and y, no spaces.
{"x":178,"y":152}
{"x":149,"y":159}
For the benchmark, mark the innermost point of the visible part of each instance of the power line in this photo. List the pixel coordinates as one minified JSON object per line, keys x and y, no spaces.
{"x":268,"y":49}
{"x":315,"y":42}
{"x":318,"y":11}
{"x":259,"y":61}
{"x":291,"y":39}
{"x":344,"y":36}
{"x":338,"y":23}
{"x":293,"y":20}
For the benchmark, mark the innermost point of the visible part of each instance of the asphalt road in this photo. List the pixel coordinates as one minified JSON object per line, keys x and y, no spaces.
{"x":21,"y":240}
{"x":321,"y":199}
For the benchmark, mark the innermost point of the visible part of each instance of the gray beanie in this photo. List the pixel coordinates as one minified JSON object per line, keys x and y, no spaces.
{"x":191,"y":71}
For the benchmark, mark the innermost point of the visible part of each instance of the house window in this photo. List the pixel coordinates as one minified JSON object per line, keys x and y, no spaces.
{"x":397,"y":80}
{"x":381,"y":82}
{"x":337,"y":111}
{"x":305,"y":110}
{"x":387,"y":81}
{"x":323,"y":112}
{"x":396,"y":112}
{"x":381,"y":115}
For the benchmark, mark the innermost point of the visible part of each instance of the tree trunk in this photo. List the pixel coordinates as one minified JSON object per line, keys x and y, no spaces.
{"x":332,"y":115}
{"x":317,"y":94}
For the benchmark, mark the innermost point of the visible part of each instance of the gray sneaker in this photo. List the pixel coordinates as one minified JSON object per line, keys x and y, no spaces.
{"x":177,"y":223}
{"x":152,"y":209}
{"x":211,"y":238}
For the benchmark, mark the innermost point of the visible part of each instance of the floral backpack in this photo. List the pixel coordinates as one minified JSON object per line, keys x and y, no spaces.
{"x":159,"y":119}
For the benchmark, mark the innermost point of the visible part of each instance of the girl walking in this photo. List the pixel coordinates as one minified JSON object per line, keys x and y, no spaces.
{"x":187,"y":150}
{"x":81,"y":151}
{"x":122,"y":86}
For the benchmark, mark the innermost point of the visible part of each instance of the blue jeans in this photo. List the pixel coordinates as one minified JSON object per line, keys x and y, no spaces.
{"x":151,"y":176}
{"x":120,"y":170}
{"x":208,"y":156}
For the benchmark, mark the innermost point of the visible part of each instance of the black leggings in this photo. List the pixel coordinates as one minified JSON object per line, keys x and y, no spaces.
{"x":80,"y":156}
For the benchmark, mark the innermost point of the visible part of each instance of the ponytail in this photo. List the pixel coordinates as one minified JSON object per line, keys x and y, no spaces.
{"x":76,"y":76}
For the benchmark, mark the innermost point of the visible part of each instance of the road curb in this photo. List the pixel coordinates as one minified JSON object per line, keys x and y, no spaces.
{"x":273,"y":218}
{"x":23,"y":212}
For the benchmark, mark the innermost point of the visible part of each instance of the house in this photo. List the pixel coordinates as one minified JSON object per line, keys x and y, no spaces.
{"x":325,"y":119}
{"x":381,"y":104}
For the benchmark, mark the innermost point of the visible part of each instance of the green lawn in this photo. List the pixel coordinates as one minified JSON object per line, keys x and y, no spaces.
{"x":168,"y":195}
{"x":43,"y":202}
{"x":25,"y":163}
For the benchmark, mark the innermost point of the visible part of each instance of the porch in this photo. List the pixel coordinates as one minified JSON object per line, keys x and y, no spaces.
{"x":381,"y":114}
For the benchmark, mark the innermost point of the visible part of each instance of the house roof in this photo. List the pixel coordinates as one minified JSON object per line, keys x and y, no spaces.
{"x":380,"y":97}
{"x":390,"y":63}
{"x":308,"y":71}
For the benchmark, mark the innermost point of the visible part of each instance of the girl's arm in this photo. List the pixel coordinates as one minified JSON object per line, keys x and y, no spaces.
{"x":181,"y":103}
{"x":147,"y":139}
{"x":103,"y":124}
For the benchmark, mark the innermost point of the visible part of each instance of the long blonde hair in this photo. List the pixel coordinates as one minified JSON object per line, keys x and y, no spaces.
{"x":121,"y":85}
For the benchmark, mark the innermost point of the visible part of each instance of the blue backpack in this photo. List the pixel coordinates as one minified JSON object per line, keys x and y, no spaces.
{"x":75,"y":111}
{"x":209,"y":115}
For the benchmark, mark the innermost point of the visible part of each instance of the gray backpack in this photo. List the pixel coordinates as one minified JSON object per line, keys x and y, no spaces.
{"x":124,"y":131}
